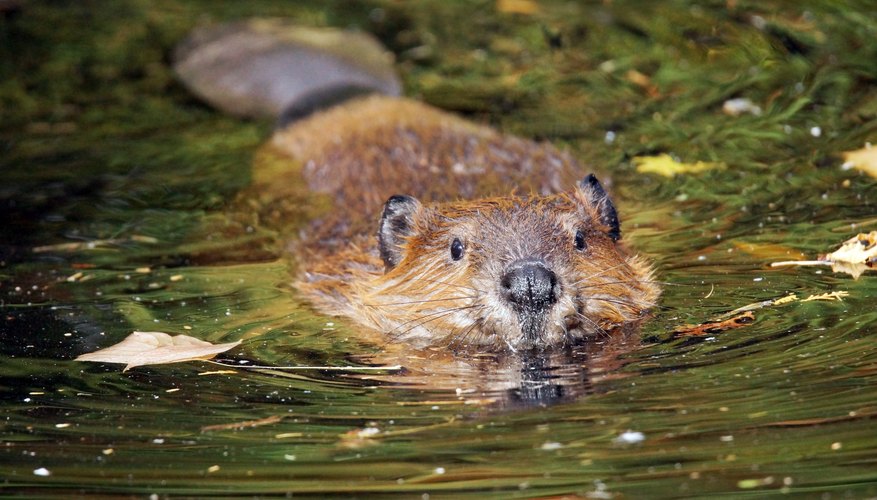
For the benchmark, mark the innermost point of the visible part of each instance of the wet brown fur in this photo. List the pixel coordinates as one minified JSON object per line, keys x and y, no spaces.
{"x":518,"y":199}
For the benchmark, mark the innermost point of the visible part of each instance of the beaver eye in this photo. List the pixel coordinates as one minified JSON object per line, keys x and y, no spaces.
{"x":580,"y":240}
{"x":456,"y":249}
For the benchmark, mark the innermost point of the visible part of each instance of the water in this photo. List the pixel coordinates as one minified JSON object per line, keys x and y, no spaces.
{"x":99,"y":144}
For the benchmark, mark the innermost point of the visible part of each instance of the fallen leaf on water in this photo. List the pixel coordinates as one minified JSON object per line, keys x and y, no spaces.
{"x":855,"y":256}
{"x":713,"y":327}
{"x":859,"y":251}
{"x":526,"y":7}
{"x":667,"y":166}
{"x":864,"y":159}
{"x":155,"y":348}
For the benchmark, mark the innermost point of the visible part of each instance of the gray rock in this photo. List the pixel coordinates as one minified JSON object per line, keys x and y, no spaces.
{"x":262,"y":67}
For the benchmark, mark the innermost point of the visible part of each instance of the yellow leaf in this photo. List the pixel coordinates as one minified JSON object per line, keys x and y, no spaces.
{"x":864,"y":159}
{"x":155,"y":348}
{"x":665,"y":165}
{"x":526,"y":7}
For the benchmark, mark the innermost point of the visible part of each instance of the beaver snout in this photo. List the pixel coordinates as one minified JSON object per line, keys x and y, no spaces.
{"x":528,"y":284}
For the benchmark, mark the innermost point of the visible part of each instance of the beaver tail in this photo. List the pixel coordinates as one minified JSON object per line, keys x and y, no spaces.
{"x":270,"y":68}
{"x":320,"y":99}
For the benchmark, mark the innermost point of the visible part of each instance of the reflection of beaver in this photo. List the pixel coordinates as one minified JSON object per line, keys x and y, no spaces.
{"x":541,"y":267}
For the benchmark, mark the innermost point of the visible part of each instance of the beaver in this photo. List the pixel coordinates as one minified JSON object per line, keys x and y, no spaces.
{"x":445,"y":233}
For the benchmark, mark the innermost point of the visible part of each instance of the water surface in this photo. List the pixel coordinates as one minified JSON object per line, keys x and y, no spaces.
{"x":122,"y":212}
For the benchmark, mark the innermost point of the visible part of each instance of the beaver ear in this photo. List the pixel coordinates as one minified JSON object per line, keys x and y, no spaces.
{"x":596,"y":197}
{"x":397,"y":223}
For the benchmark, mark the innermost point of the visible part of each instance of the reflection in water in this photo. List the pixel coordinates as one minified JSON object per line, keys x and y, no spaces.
{"x":532,"y":378}
{"x":547,"y":380}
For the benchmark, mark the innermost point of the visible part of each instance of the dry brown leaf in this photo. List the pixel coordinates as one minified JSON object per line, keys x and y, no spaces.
{"x":155,"y":348}
{"x":864,"y":159}
{"x":713,"y":327}
{"x":855,"y":256}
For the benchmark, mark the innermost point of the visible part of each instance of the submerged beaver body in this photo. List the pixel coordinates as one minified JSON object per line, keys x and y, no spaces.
{"x":446,"y":233}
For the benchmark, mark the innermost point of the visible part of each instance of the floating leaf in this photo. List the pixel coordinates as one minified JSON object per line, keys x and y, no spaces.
{"x":864,"y":159}
{"x":525,"y":7}
{"x":860,"y":250}
{"x":155,"y":348}
{"x":667,"y":166}
{"x":713,"y":327}
{"x":855,"y":256}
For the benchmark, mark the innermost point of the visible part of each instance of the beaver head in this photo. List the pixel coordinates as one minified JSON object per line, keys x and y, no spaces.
{"x":505,"y":273}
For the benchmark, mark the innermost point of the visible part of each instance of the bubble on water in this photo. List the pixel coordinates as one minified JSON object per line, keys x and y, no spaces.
{"x":630,"y":437}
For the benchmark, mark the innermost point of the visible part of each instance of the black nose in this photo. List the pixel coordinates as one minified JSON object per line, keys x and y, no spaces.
{"x":529,"y":284}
